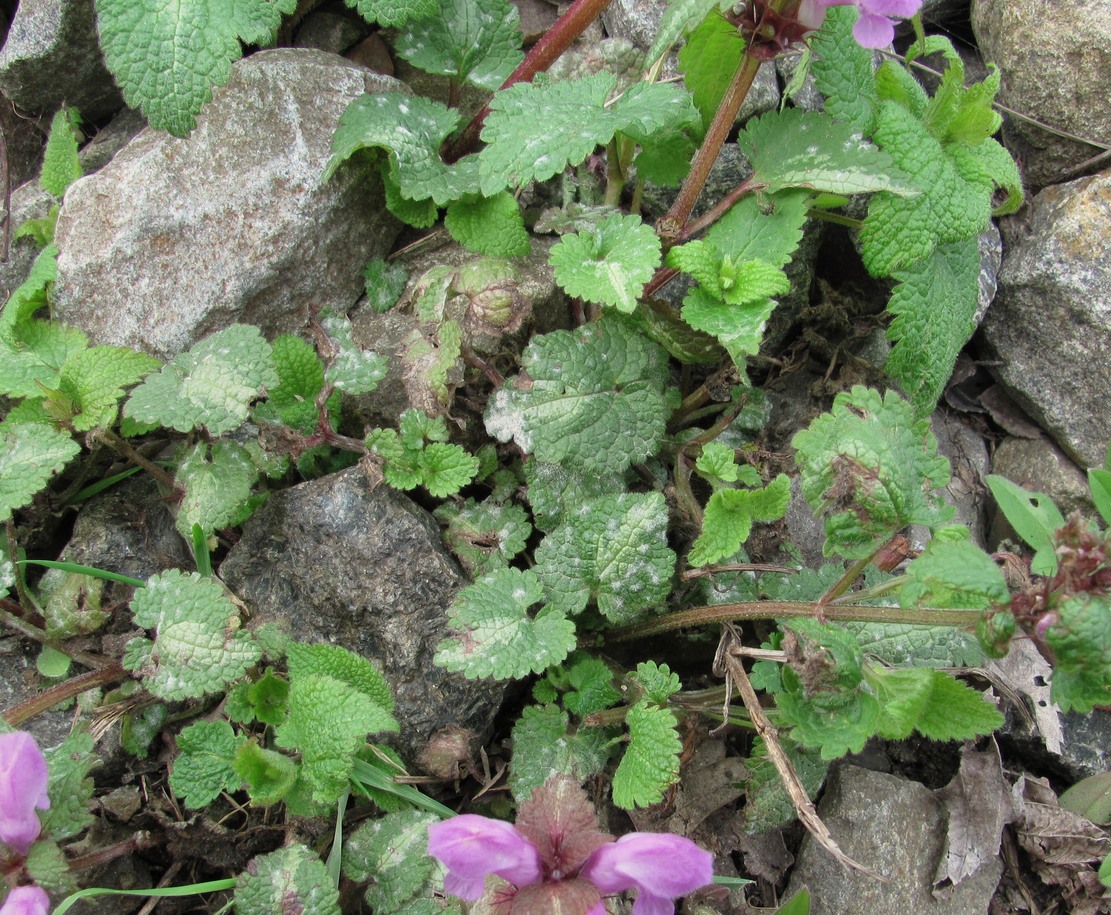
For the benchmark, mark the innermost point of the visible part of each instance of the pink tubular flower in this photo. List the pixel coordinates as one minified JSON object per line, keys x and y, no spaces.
{"x":472,"y":847}
{"x":26,"y":900}
{"x":660,"y":866}
{"x":22,"y":789}
{"x":557,"y":860}
{"x":873,"y":28}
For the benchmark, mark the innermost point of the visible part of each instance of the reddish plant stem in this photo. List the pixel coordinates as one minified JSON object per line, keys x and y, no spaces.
{"x":782,"y":609}
{"x":542,"y":55}
{"x":74,"y":686}
{"x":671,"y":225}
{"x":133,"y":843}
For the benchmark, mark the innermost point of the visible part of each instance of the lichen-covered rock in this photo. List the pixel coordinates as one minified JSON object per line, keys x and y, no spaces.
{"x":1055,"y":59}
{"x":52,"y":58}
{"x":1050,"y":325}
{"x":339,"y":562}
{"x":177,"y":238}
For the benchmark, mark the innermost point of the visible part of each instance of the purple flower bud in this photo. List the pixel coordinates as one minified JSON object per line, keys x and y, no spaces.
{"x":873,"y":28}
{"x":22,"y":789}
{"x":26,"y":900}
{"x":661,"y":866}
{"x":471,"y":847}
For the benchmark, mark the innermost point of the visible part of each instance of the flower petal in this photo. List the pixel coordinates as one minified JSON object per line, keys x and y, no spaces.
{"x":660,"y":865}
{"x":872,"y":31}
{"x":471,"y":847}
{"x":23,"y":787}
{"x":26,"y":900}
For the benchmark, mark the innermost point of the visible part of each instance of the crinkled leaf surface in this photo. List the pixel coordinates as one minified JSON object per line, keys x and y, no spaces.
{"x":871,"y":468}
{"x":614,"y":551}
{"x":268,"y":775}
{"x":657,"y":680}
{"x":708,"y":59}
{"x":651,"y":761}
{"x":484,"y":536}
{"x":489,"y":225}
{"x":930,"y":702}
{"x":34,"y":355}
{"x":474,"y":40}
{"x":953,"y":573}
{"x":592,"y":398}
{"x":291,"y":879}
{"x":769,"y":229}
{"x":218,"y":481}
{"x":93,"y":380}
{"x":796,"y":148}
{"x":340,"y":664}
{"x":390,"y":854}
{"x":203,"y":767}
{"x":498,"y":637}
{"x":934,"y":305}
{"x":301,"y":377}
{"x":545,"y":745}
{"x":1081,"y":643}
{"x":30,"y":454}
{"x":393,"y":12}
{"x":166,"y":57}
{"x":731,"y":281}
{"x":30,"y":295}
{"x":328,"y":721}
{"x":729,"y":515}
{"x":554,"y":491}
{"x":69,"y":786}
{"x":60,"y":165}
{"x":211,"y":385}
{"x":198,"y":647}
{"x":537,"y":129}
{"x":411,"y":130}
{"x":843,"y":71}
{"x":352,"y":369}
{"x":738,"y":328}
{"x":608,"y":263}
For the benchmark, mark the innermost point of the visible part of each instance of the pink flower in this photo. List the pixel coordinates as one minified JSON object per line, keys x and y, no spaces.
{"x":22,"y":789}
{"x":26,"y":900}
{"x":660,"y":866}
{"x":874,"y":27}
{"x":556,"y":858}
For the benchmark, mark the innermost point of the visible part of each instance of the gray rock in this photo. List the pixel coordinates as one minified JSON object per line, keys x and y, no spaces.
{"x":1050,"y":325}
{"x":29,"y":201}
{"x":177,"y":238}
{"x":52,"y":57}
{"x":1055,"y":70}
{"x":108,"y":141}
{"x":25,"y":137}
{"x":968,"y":457}
{"x":332,"y":28}
{"x":337,"y":561}
{"x":897,"y":828}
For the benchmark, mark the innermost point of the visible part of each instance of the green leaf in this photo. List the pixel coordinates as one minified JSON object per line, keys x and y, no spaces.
{"x":731,"y":281}
{"x":393,"y":12}
{"x":768,"y":230}
{"x":953,"y":574}
{"x":340,"y":664}
{"x":199,"y":647}
{"x":489,"y":225}
{"x":592,"y":399}
{"x":740,"y":329}
{"x":843,"y":72}
{"x":1090,"y":798}
{"x":351,"y":369}
{"x":934,"y":305}
{"x":953,"y":710}
{"x":717,"y":462}
{"x":832,"y":731}
{"x":678,"y":19}
{"x":446,"y":468}
{"x":544,"y":744}
{"x":497,"y":636}
{"x":729,"y":516}
{"x":1080,"y":639}
{"x":69,"y":787}
{"x":93,"y":380}
{"x":665,"y":158}
{"x":871,"y":468}
{"x":291,"y":879}
{"x":708,"y":60}
{"x":391,"y":855}
{"x":484,"y":536}
{"x":30,"y":454}
{"x":328,"y":721}
{"x":537,"y":129}
{"x":954,"y":206}
{"x":211,"y":385}
{"x":292,"y":402}
{"x":60,"y":165}
{"x":614,"y":551}
{"x":218,"y":481}
{"x":1099,"y":481}
{"x":411,"y":130}
{"x":204,"y":765}
{"x":384,"y":283}
{"x":1033,"y":516}
{"x":809,"y":149}
{"x":908,"y":645}
{"x":657,"y":680}
{"x":608,"y":264}
{"x":167,"y":58}
{"x":651,"y":762}
{"x":30,"y":295}
{"x":767,"y":804}
{"x":476,"y":41}
{"x":71,"y":603}
{"x":591,"y":686}
{"x":268,"y":775}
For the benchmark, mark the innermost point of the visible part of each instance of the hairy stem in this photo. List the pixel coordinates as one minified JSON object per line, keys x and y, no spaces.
{"x":74,"y":686}
{"x":790,"y":609}
{"x":125,"y":450}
